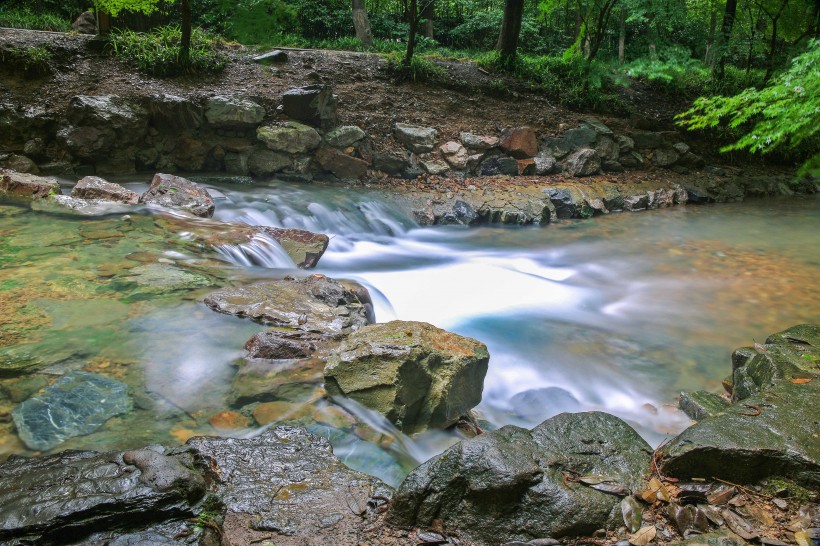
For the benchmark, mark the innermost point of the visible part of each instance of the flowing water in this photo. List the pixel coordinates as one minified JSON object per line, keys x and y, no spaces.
{"x":617,"y":313}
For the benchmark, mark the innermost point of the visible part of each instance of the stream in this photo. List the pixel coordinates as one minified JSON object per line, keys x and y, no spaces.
{"x":617,"y":313}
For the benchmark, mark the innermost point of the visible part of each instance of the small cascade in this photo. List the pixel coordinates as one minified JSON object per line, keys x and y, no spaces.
{"x":261,"y":251}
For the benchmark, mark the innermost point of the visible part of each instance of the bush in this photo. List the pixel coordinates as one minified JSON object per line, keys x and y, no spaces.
{"x":323,"y":19}
{"x":480,"y":32}
{"x":253,"y":22}
{"x":158,"y":52}
{"x":25,"y":18}
{"x":420,"y":69}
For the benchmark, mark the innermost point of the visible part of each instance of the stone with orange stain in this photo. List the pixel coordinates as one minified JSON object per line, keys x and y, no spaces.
{"x":279,"y":410}
{"x":229,"y":420}
{"x":182,"y":434}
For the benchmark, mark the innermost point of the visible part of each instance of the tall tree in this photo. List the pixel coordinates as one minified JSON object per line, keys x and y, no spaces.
{"x":361,"y":23}
{"x":428,"y":14}
{"x":510,"y":29}
{"x":729,"y":13}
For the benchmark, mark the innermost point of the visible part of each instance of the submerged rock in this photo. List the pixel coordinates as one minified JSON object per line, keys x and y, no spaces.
{"x":313,"y":304}
{"x":179,"y":193}
{"x":286,"y":484}
{"x":518,"y":484}
{"x":771,"y":427}
{"x":415,"y":374}
{"x":77,"y":404}
{"x":63,"y":498}
{"x":27,"y":185}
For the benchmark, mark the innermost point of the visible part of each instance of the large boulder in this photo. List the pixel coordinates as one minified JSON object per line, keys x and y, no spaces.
{"x":498,"y":164}
{"x":415,"y":374}
{"x":455,"y":154}
{"x":265,"y":162}
{"x":173,"y":114}
{"x":27,"y":185}
{"x":233,"y":112}
{"x":313,"y":104}
{"x":65,"y":497}
{"x":100,"y":124}
{"x":94,"y":187}
{"x":286,"y":487}
{"x":77,"y":404}
{"x":175,"y":192}
{"x":313,"y":304}
{"x":520,"y":142}
{"x":771,"y":427}
{"x":419,"y":140}
{"x":86,"y":23}
{"x":290,"y":137}
{"x":564,"y":477}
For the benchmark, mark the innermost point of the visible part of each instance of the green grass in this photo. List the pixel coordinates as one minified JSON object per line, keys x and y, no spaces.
{"x":24,"y":18}
{"x":690,"y":78}
{"x":158,"y":52}
{"x":31,"y":60}
{"x":421,"y":68}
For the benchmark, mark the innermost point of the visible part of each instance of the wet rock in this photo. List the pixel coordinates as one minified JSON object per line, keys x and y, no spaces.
{"x":27,"y":185}
{"x":175,"y":192}
{"x":511,"y":484}
{"x":290,"y":137}
{"x":631,"y":160}
{"x":610,"y":166}
{"x":344,"y":136}
{"x":568,"y":202}
{"x":286,"y":485}
{"x":314,"y":304}
{"x":557,"y":147}
{"x":625,"y":144}
{"x":498,"y":165}
{"x":476,"y":142}
{"x":701,"y":404}
{"x":526,"y":167}
{"x":647,"y":140}
{"x":665,"y":157}
{"x":277,"y":56}
{"x":21,"y":164}
{"x":282,"y":344}
{"x":584,"y":162}
{"x":305,"y":248}
{"x":415,"y":374}
{"x":100,"y":124}
{"x":538,"y":404}
{"x":691,"y":161}
{"x":770,"y":429}
{"x":86,"y":23}
{"x":520,"y":142}
{"x":77,"y":404}
{"x":158,"y":278}
{"x":341,"y":164}
{"x":313,"y":104}
{"x":66,"y":497}
{"x":462,"y":213}
{"x":419,"y":140}
{"x":580,"y":137}
{"x":233,"y":113}
{"x":607,"y":149}
{"x":454,"y":154}
{"x":229,"y":421}
{"x":94,"y":187}
{"x":266,"y":162}
{"x":190,"y":154}
{"x":266,"y":380}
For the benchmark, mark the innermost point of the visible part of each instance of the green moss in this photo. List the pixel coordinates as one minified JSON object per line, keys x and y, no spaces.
{"x":796,"y":493}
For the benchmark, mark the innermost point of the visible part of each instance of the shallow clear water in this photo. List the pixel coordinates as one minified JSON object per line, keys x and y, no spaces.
{"x":617,"y":313}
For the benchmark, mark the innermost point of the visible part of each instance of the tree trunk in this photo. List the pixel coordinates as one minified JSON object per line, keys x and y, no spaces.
{"x":725,"y":33}
{"x":411,"y":38}
{"x":185,"y":42}
{"x":773,"y":42}
{"x":361,"y":23}
{"x":428,"y":13}
{"x":597,"y":37}
{"x":510,"y":29}
{"x":103,"y":23}
{"x":622,"y":37}
{"x":707,"y":57}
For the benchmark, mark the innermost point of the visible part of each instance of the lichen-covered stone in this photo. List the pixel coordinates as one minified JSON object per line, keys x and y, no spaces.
{"x":419,"y":140}
{"x":415,"y":374}
{"x":94,"y":187}
{"x":233,"y":112}
{"x":290,"y":137}
{"x":27,"y":185}
{"x":176,"y":192}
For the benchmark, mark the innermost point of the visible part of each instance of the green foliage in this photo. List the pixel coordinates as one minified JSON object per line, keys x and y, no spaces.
{"x":25,"y":18}
{"x":480,"y":32}
{"x":419,"y":70}
{"x":254,"y":21}
{"x":32,"y":60}
{"x":783,"y":115}
{"x":137,"y":6}
{"x":158,"y":52}
{"x":322,"y":19}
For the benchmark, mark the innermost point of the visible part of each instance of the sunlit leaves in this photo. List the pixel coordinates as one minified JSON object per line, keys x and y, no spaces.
{"x":115,"y":6}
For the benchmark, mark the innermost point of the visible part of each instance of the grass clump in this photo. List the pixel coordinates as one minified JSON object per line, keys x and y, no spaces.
{"x":158,"y":53}
{"x":33,"y":61}
{"x":26,"y":19}
{"x":420,"y":69}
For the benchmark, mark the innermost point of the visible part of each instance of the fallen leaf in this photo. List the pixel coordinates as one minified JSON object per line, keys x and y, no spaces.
{"x":780,"y":503}
{"x":721,"y":495}
{"x":644,"y":536}
{"x":611,"y":488}
{"x":761,"y":515}
{"x":660,"y":490}
{"x":800,"y":380}
{"x":802,"y":538}
{"x":632,"y":512}
{"x":740,"y":526}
